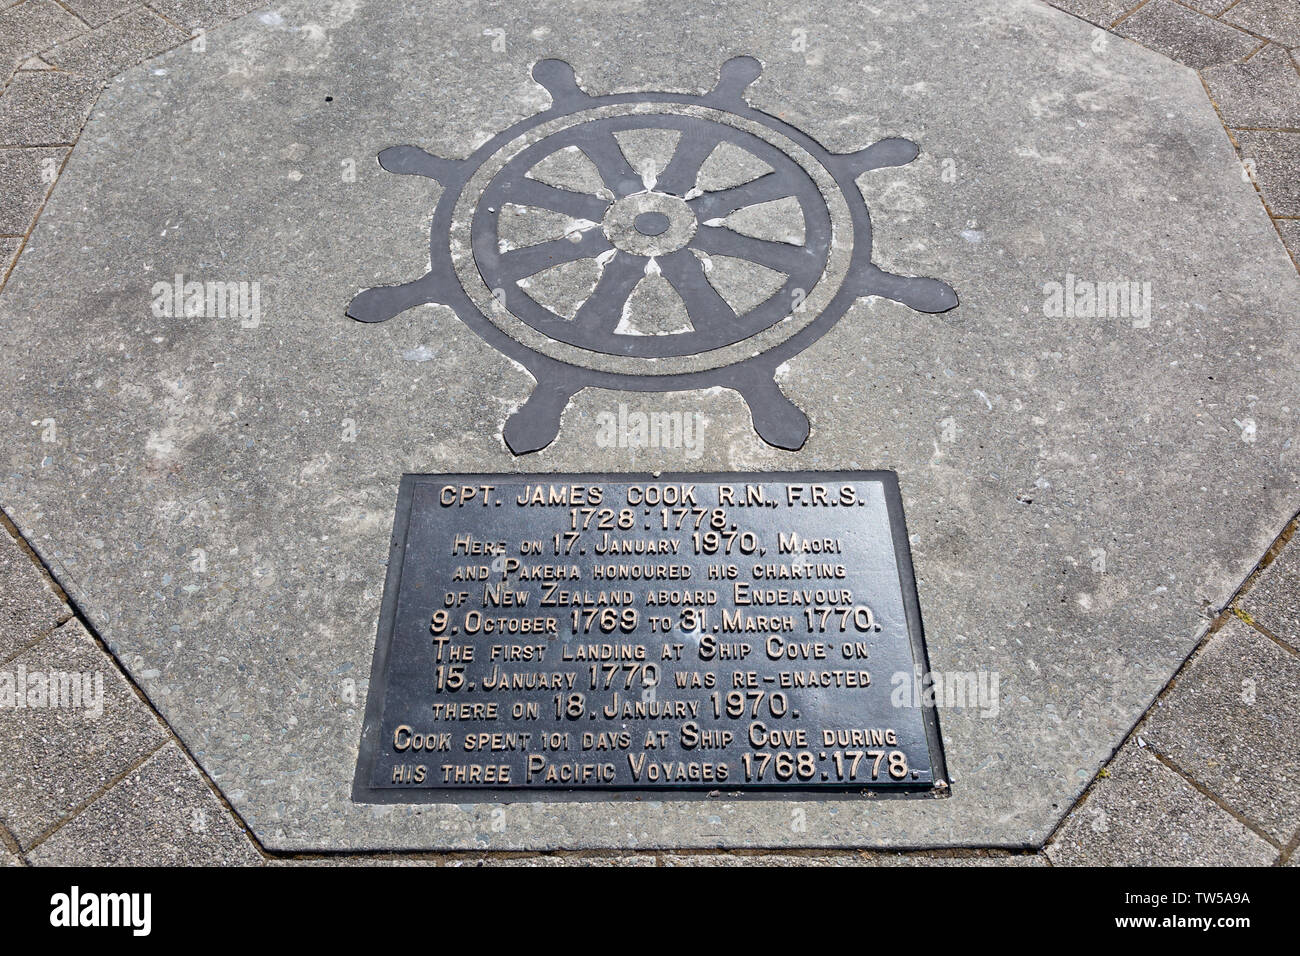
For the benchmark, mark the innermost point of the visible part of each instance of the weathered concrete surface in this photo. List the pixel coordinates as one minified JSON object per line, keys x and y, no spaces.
{"x":205,"y":509}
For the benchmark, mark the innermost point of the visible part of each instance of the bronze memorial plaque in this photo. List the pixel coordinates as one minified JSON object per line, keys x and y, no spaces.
{"x":591,"y":636}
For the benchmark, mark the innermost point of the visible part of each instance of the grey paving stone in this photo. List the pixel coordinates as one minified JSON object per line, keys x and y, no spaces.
{"x":53,"y":759}
{"x":8,"y":859}
{"x":162,"y":814}
{"x":26,"y":176}
{"x":44,"y":107}
{"x":1290,"y":230}
{"x":1263,"y":91}
{"x":852,"y":859}
{"x":1273,"y":600}
{"x":1101,"y":12}
{"x":1145,"y":814}
{"x":1186,"y":35}
{"x":1276,"y":159}
{"x":31,"y":27}
{"x":8,"y":251}
{"x":1231,"y":723}
{"x":96,"y":12}
{"x":29,"y":608}
{"x":1276,"y":19}
{"x":117,"y":44}
{"x":1211,"y":7}
{"x":204,"y":13}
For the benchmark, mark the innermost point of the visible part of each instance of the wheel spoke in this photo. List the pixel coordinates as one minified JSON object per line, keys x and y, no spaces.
{"x":715,"y":205}
{"x":532,"y":192}
{"x":521,"y":263}
{"x":603,"y":310}
{"x":778,"y":256}
{"x":693,"y":148}
{"x":706,"y":308}
{"x":603,"y":150}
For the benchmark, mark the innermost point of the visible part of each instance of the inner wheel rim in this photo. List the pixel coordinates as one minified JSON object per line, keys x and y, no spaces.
{"x":620,"y":224}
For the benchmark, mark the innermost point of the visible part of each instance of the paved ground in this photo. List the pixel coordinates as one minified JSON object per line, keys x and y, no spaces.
{"x":1207,"y":777}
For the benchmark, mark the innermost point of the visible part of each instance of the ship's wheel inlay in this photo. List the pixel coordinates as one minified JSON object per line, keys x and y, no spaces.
{"x":653,"y":242}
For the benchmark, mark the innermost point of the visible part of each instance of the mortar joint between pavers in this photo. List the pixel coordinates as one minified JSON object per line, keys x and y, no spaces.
{"x":7,"y":523}
{"x":80,"y":807}
{"x":1271,"y":554}
{"x":1170,"y":764}
{"x":190,"y":32}
{"x":36,"y":641}
{"x":1219,"y":15}
{"x":1251,"y":55}
{"x":36,"y":218}
{"x":1288,"y":851}
{"x":9,"y":842}
{"x":1265,"y":632}
{"x":1126,"y":14}
{"x":75,"y":15}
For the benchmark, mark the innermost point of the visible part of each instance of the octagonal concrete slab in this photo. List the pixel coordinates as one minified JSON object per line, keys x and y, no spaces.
{"x":1082,"y":493}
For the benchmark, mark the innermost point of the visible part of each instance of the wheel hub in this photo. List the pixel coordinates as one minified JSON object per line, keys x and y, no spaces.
{"x":649,"y":224}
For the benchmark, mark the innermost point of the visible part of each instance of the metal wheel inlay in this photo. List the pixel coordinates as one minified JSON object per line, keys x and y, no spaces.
{"x":665,"y":221}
